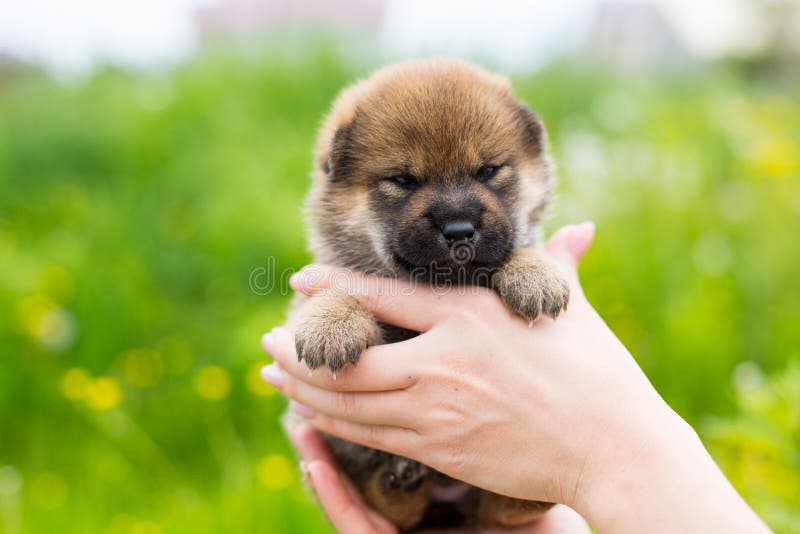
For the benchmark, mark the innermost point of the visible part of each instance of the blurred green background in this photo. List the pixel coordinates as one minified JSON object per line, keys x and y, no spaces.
{"x":135,"y":207}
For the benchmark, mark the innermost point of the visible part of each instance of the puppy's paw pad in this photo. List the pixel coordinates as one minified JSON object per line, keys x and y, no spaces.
{"x":533,"y":292}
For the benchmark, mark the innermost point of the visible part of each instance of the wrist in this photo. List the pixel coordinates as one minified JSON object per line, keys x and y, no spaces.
{"x":668,"y":483}
{"x":635,"y":468}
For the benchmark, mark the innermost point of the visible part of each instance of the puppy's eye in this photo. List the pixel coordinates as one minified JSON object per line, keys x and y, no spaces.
{"x":406,"y":181}
{"x":487,"y":172}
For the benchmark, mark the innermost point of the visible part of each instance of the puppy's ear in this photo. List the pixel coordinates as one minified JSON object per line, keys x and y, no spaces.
{"x":341,"y":155}
{"x":533,"y":130}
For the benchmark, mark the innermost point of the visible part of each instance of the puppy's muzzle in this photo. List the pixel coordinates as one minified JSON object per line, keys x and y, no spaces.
{"x":457,"y":222}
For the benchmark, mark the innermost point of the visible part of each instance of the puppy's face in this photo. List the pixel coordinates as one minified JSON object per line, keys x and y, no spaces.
{"x":431,"y":166}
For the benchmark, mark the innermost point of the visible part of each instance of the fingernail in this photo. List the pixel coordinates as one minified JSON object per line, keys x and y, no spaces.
{"x":300,"y":281}
{"x":268,"y":342}
{"x":272,"y":374}
{"x":302,"y":410}
{"x":577,"y":240}
{"x":294,"y":280}
{"x":306,"y":472}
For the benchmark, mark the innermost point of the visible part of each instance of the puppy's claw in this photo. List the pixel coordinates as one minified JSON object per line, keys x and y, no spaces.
{"x":532,"y":291}
{"x":322,"y":342}
{"x":405,"y":474}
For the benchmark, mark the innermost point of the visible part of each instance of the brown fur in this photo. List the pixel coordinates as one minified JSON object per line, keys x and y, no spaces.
{"x":531,"y":284}
{"x":498,"y":511}
{"x":405,"y":509}
{"x":335,"y":329}
{"x":426,"y":164}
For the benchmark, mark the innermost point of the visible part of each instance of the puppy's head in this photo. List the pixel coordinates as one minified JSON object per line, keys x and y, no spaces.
{"x":426,"y":165}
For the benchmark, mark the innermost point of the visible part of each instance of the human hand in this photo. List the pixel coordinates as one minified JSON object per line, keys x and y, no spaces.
{"x":456,"y":393}
{"x":349,"y":513}
{"x":556,"y":412}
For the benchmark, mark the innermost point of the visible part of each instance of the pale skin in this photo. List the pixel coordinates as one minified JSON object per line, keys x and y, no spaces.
{"x":556,"y":411}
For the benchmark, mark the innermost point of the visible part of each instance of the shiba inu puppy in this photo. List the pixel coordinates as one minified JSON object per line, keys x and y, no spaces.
{"x":428,"y":170}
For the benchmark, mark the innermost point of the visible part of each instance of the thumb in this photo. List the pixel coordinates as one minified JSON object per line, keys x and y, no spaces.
{"x":569,"y":243}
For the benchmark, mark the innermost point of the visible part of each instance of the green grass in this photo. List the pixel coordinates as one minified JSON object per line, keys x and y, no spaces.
{"x":134,"y":208}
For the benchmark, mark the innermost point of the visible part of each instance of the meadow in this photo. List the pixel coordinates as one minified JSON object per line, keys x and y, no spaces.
{"x":138,"y":209}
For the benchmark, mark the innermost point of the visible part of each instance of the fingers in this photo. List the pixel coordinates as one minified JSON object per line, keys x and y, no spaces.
{"x":388,"y":438}
{"x":312,"y":448}
{"x":346,"y":514}
{"x":339,"y":497}
{"x":560,"y":519}
{"x":569,"y":243}
{"x":567,"y":246}
{"x":581,"y":239}
{"x":402,"y":303}
{"x":380,"y":368}
{"x":310,"y":444}
{"x":388,"y":408}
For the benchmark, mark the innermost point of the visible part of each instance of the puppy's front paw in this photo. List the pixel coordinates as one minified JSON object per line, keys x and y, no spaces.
{"x":405,"y":474}
{"x":335,"y":332}
{"x":532,"y":288}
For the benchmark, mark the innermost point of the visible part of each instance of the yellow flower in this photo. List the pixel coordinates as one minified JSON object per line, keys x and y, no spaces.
{"x":212,"y":382}
{"x":31,"y":310}
{"x":75,"y":383}
{"x":121,"y":523}
{"x":53,"y":327}
{"x":274,"y":471}
{"x":145,"y":527}
{"x":777,"y":156}
{"x":104,"y":393}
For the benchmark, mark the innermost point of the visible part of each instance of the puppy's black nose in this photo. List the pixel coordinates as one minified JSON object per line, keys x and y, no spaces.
{"x":458,"y":231}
